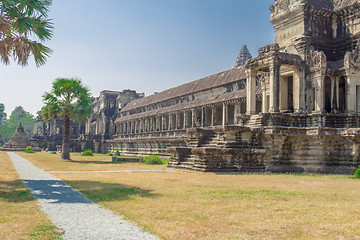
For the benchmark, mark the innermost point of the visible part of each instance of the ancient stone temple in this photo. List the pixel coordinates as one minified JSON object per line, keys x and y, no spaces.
{"x":19,"y":141}
{"x":99,"y":128}
{"x":293,"y":108}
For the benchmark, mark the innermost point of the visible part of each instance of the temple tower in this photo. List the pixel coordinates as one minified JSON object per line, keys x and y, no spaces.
{"x":243,"y":56}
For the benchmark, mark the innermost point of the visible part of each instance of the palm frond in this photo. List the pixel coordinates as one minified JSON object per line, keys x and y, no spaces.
{"x":68,"y":98}
{"x":5,"y":50}
{"x":40,"y":52}
{"x":19,"y":20}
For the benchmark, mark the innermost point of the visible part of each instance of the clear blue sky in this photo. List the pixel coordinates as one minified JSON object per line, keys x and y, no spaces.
{"x":144,"y":45}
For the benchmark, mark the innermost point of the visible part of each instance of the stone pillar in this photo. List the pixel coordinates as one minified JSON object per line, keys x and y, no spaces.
{"x":274,"y":85}
{"x":250,"y":91}
{"x":163,"y":123}
{"x":334,"y":94}
{"x":319,"y":93}
{"x":203,"y":117}
{"x":284,"y":96}
{"x":177,"y":120}
{"x":264,"y":100}
{"x":143,"y":125}
{"x":351,"y":92}
{"x":193,"y":118}
{"x":237,"y":109}
{"x":158,"y":123}
{"x":135,"y":126}
{"x":170,"y":125}
{"x":225,"y":114}
{"x":151,"y":128}
{"x":212,"y":115}
{"x":186,"y":122}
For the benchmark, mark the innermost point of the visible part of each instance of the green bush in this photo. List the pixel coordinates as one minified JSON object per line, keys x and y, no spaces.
{"x":357,"y":173}
{"x":53,"y":152}
{"x":153,"y":160}
{"x":87,"y":152}
{"x":28,"y":150}
{"x":110,"y":154}
{"x":117,"y":153}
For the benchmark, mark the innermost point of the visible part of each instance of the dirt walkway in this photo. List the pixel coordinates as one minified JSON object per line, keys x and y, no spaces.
{"x":72,"y":211}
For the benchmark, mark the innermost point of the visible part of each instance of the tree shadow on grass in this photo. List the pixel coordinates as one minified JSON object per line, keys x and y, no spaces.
{"x":56,"y":191}
{"x":14,"y":191}
{"x":101,"y":192}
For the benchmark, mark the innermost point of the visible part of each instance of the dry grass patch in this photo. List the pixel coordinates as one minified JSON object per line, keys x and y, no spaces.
{"x":98,"y":162}
{"x":20,"y":216}
{"x":185,"y":205}
{"x":181,"y":205}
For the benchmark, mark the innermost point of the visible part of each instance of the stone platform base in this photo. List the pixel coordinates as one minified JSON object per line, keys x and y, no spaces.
{"x":269,"y":149}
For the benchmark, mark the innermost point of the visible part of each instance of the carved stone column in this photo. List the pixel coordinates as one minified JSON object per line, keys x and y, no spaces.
{"x":264,"y":99}
{"x":186,"y":118}
{"x":193,"y":118}
{"x":158,"y":121}
{"x":350,"y":93}
{"x":225,"y":114}
{"x":250,"y":91}
{"x":319,"y":92}
{"x":177,"y":124}
{"x":274,"y":67}
{"x":170,"y":125}
{"x":334,"y":94}
{"x":203,"y":116}
{"x":212,"y":115}
{"x":163,"y":123}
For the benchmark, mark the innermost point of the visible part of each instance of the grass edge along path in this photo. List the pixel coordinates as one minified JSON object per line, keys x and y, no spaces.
{"x":20,"y":215}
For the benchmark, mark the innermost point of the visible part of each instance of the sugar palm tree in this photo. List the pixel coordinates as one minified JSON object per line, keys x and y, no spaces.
{"x":69,"y":100}
{"x":23,"y":28}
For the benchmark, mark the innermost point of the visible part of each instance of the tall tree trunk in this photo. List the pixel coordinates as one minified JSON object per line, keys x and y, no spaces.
{"x":65,"y":154}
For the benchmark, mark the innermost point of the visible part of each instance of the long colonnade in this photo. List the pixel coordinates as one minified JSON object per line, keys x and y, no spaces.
{"x":204,"y":116}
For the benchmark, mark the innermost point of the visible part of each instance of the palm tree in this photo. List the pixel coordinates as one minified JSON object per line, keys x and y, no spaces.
{"x":20,"y":22}
{"x":68,"y":100}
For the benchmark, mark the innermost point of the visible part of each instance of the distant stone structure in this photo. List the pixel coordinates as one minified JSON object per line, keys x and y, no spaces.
{"x":293,"y":108}
{"x":100,"y":126}
{"x":19,"y":141}
{"x":244,"y":55}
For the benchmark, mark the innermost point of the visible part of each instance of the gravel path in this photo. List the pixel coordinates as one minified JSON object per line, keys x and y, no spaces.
{"x":72,"y":211}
